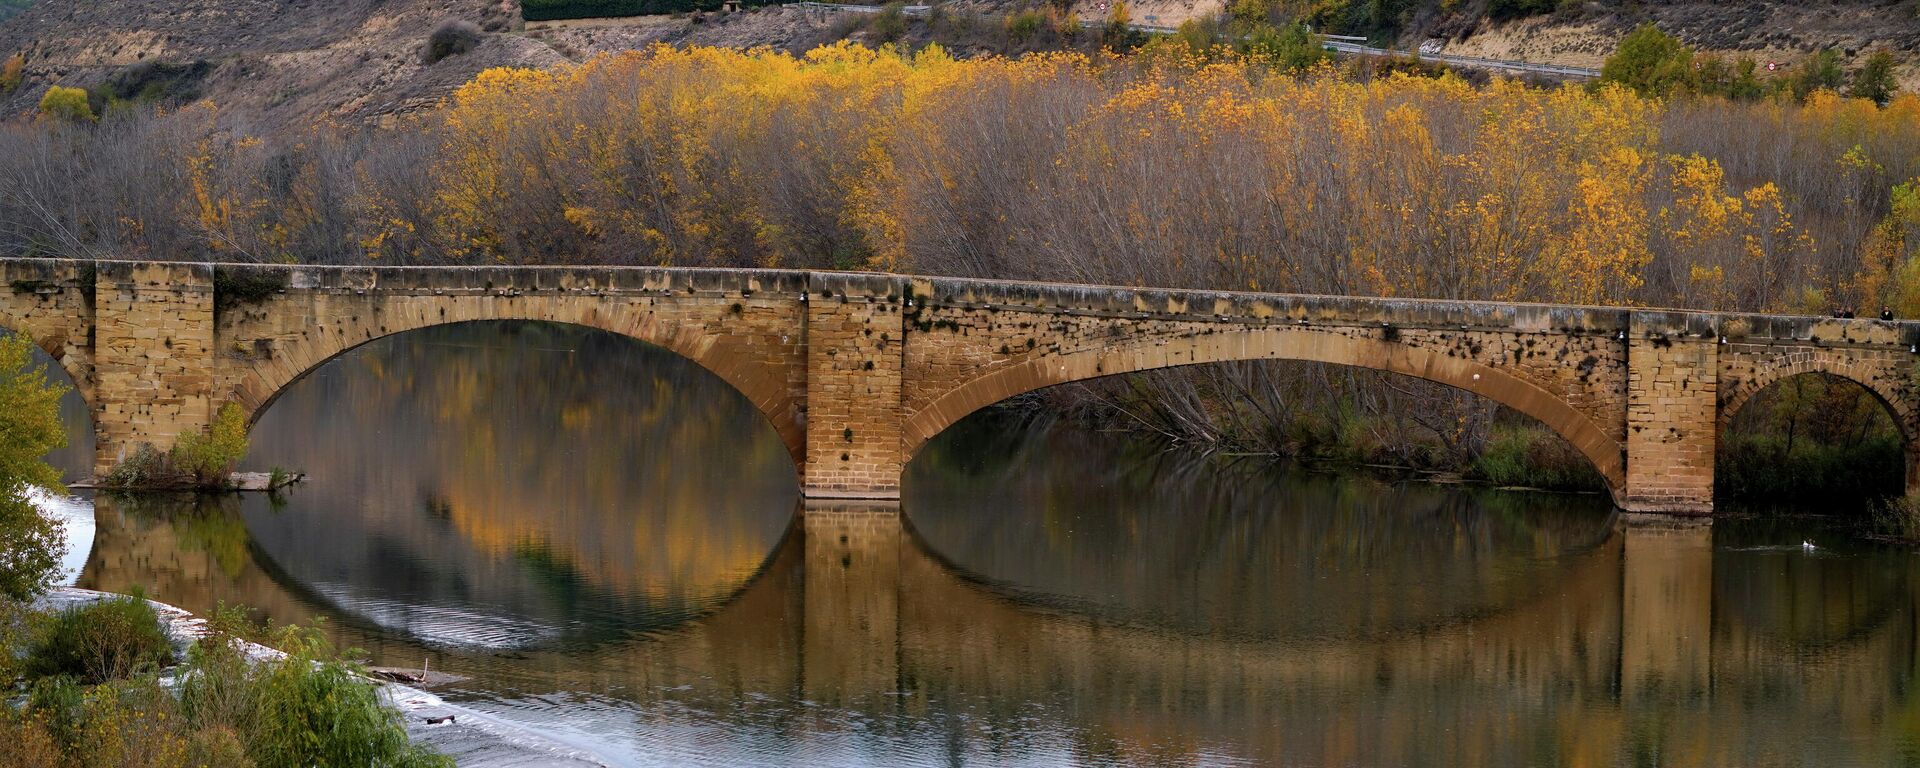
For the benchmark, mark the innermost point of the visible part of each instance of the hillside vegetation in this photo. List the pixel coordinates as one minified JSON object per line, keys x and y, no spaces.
{"x":271,"y":64}
{"x":1177,"y":166}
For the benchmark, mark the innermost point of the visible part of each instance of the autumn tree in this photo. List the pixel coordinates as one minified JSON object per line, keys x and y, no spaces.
{"x":12,"y":71}
{"x":30,"y":543}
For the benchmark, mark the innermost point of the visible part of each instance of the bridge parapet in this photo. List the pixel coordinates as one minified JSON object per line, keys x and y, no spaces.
{"x":462,"y":280}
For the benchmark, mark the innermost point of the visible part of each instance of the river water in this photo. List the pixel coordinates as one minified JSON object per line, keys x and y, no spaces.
{"x":607,"y":543}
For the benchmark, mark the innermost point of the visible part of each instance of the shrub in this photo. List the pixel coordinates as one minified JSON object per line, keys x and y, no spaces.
{"x":1502,"y":10}
{"x":198,"y":460}
{"x":133,"y":723}
{"x":209,"y":457}
{"x":890,"y":23}
{"x":452,"y":38}
{"x":546,"y":10}
{"x":1529,"y":455}
{"x":61,"y":103}
{"x":1769,"y":468}
{"x":1875,"y":81}
{"x":12,"y":71}
{"x":306,"y":708}
{"x":1025,"y":25}
{"x":1292,"y":48}
{"x":159,"y":82}
{"x":1649,"y":61}
{"x":1898,"y":517}
{"x":100,"y":641}
{"x":25,"y":741}
{"x":1119,"y":35}
{"x":1822,"y":70}
{"x":144,"y":468}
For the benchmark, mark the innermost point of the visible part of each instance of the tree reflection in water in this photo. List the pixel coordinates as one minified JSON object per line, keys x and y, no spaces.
{"x":623,"y":562}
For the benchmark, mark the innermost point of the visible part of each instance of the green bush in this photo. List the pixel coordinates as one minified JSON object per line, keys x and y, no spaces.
{"x":100,"y":641}
{"x":1822,"y":70}
{"x":211,"y":456}
{"x":132,"y":723}
{"x":1761,"y":467}
{"x":890,"y":23}
{"x":1649,"y":61}
{"x":1875,"y":81}
{"x":61,"y":103}
{"x":1292,"y":47}
{"x":1026,"y":25}
{"x":166,"y":83}
{"x":202,"y":460}
{"x":1529,"y":455}
{"x":307,"y":708}
{"x":1118,"y":35}
{"x":1502,"y":10}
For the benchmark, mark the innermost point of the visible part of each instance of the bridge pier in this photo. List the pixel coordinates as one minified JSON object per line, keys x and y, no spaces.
{"x":153,"y":356}
{"x":1672,"y":414}
{"x":855,"y":341}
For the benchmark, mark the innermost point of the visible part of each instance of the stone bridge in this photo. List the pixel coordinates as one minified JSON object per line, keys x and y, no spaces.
{"x":856,"y":371}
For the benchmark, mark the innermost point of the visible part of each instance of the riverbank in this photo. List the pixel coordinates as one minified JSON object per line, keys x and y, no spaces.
{"x":473,"y":739}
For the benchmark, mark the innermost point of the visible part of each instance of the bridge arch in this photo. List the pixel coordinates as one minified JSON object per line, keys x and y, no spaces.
{"x":1868,"y":373}
{"x":262,"y":376}
{"x":1277,"y":343}
{"x":78,"y":370}
{"x":1868,"y":377}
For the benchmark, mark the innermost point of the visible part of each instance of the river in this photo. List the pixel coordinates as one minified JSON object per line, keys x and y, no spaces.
{"x":607,"y":543}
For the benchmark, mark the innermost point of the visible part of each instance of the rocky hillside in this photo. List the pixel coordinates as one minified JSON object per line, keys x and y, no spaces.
{"x":1583,"y":34}
{"x":294,"y":62}
{"x":287,"y":61}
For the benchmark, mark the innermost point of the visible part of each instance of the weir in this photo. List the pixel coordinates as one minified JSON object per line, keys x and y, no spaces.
{"x":856,"y":371}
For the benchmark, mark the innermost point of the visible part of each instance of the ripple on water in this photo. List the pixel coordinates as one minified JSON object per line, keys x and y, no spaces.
{"x":436,"y":625}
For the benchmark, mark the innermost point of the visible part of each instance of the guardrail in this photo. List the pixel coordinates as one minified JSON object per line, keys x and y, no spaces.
{"x":1341,"y":43}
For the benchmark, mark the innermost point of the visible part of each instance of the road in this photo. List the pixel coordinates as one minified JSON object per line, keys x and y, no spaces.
{"x":1331,"y":43}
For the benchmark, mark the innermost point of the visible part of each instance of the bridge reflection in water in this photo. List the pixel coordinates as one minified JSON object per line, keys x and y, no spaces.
{"x":1650,"y":642}
{"x":608,"y":546}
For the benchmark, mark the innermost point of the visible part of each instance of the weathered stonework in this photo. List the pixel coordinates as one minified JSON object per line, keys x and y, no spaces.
{"x":854,"y":342}
{"x":857,"y":371}
{"x":153,"y":341}
{"x":1671,"y":424}
{"x":51,"y":302}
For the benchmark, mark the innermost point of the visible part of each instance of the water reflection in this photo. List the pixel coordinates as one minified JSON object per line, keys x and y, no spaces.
{"x":483,"y":487}
{"x":638,"y":578}
{"x":1234,"y":548}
